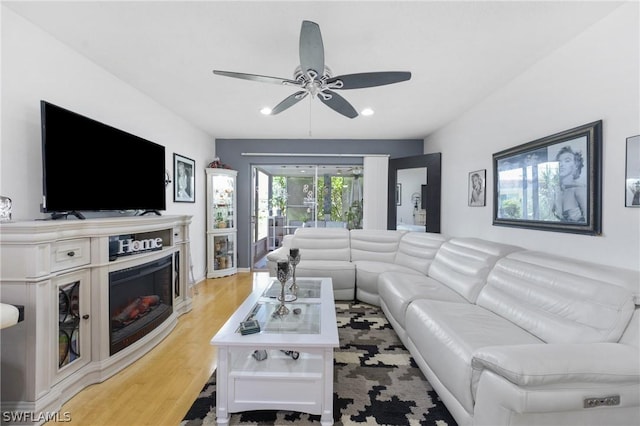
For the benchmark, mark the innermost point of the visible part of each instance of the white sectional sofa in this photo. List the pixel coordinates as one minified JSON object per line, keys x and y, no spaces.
{"x":505,"y":335}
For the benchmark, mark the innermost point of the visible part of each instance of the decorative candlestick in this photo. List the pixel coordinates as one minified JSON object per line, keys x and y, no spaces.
{"x":294,"y":259}
{"x":283,"y":276}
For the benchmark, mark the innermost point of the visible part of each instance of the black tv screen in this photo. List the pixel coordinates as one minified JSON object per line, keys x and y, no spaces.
{"x":90,"y":166}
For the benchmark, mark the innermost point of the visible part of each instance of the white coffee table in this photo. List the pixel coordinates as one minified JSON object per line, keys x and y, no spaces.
{"x":279,"y":382}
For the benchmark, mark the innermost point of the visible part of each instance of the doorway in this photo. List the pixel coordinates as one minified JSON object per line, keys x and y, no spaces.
{"x":291,"y":196}
{"x":429,"y":193}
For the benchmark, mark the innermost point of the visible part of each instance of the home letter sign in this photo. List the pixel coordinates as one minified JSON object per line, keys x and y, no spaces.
{"x":131,"y":246}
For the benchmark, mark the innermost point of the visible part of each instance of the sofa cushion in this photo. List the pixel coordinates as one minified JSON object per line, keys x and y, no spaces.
{"x":558,"y":299}
{"x":342,"y":274}
{"x":373,"y":252}
{"x":376,"y":245}
{"x":416,"y":250}
{"x":464,"y":263}
{"x":447,"y":334}
{"x":322,"y":243}
{"x":398,"y":289}
{"x":367,"y":273}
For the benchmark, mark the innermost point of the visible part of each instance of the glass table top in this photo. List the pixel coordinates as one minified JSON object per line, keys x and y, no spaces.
{"x":308,"y":288}
{"x":303,"y":318}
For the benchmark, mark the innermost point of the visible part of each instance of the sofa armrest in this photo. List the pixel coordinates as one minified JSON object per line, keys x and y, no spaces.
{"x":550,"y":364}
{"x":281,"y":252}
{"x":277,"y":254}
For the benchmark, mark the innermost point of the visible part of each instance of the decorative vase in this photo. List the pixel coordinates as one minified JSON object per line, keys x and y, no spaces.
{"x":294,"y":259}
{"x":283,"y":276}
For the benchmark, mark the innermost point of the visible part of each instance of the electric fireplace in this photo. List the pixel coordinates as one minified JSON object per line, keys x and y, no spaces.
{"x":140,"y":299}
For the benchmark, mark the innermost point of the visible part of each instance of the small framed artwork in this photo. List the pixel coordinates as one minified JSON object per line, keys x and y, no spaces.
{"x":632,"y":176}
{"x":553,"y":183}
{"x":184,"y":185}
{"x":477,"y":196}
{"x":398,"y":194}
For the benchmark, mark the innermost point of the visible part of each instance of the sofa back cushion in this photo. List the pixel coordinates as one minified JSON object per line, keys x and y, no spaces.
{"x":463,"y":264}
{"x":560,"y":300}
{"x":376,"y":245}
{"x":322,"y":243}
{"x":417,"y":250}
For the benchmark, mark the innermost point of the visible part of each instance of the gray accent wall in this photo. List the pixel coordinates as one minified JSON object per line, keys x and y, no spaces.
{"x":230,"y":152}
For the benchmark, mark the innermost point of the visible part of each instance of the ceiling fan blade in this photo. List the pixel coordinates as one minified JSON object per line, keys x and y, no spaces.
{"x":259,"y":78}
{"x":289,"y":101}
{"x":338,"y":103}
{"x":368,"y":79}
{"x":311,"y":48}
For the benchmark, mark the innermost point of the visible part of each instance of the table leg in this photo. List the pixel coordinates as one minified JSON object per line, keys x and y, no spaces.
{"x":326,"y":419}
{"x":222,"y":377}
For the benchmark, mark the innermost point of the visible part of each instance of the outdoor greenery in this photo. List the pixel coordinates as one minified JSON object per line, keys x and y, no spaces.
{"x":289,"y":196}
{"x":511,"y":209}
{"x":279,"y":197}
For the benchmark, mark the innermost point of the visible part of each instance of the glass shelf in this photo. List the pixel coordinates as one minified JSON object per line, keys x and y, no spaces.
{"x":223,"y":201}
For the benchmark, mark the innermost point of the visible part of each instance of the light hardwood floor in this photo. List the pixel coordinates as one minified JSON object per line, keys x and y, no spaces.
{"x":160,"y":387}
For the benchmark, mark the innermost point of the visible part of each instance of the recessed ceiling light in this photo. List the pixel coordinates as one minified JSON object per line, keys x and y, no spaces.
{"x":367,"y":112}
{"x":265,"y":111}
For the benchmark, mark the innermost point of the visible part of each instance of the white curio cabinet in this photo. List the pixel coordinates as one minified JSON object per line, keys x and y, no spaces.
{"x":221,"y":222}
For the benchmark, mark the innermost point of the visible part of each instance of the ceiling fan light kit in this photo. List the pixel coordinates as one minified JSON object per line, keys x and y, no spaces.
{"x":314,"y":78}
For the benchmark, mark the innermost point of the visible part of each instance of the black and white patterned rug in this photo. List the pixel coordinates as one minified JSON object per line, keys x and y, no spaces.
{"x":377,"y":382}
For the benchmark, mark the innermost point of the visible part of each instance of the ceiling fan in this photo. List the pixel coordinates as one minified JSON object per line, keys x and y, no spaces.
{"x":313,"y":77}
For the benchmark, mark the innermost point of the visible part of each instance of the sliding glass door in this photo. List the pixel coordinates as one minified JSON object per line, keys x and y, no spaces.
{"x":303,"y":196}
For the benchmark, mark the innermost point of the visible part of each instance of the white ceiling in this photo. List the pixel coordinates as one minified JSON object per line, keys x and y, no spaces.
{"x":458,"y":53}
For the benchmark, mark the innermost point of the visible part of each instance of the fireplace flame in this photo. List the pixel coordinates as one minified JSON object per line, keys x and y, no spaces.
{"x":134,"y":311}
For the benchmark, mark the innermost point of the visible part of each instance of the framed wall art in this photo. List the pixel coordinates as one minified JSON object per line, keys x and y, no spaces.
{"x":553,"y":183}
{"x":632,"y":175}
{"x":184,"y":188}
{"x":398,"y":194}
{"x":477,"y":194}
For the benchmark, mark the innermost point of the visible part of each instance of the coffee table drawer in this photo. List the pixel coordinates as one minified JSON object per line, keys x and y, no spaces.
{"x":275,"y":393}
{"x":277,"y":382}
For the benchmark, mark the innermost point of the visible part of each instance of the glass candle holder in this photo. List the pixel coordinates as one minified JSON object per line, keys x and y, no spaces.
{"x":294,"y":259}
{"x":283,"y":276}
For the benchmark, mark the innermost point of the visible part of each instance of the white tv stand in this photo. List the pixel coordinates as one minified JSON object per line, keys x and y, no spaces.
{"x":38,"y":261}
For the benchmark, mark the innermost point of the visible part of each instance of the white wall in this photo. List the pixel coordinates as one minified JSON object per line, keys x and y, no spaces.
{"x":593,"y":77}
{"x":37,"y":67}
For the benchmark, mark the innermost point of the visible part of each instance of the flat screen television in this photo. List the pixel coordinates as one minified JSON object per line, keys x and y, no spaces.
{"x":90,"y":166}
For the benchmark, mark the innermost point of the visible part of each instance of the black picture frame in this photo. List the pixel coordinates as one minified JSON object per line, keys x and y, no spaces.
{"x":398,"y":194}
{"x":632,"y":172}
{"x":552,"y":184}
{"x":477,"y":188}
{"x":184,"y":179}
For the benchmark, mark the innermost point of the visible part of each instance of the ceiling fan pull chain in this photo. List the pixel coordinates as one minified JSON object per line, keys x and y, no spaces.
{"x":310,"y":106}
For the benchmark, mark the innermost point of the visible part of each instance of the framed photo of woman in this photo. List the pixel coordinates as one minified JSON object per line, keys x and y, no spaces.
{"x":553,"y":183}
{"x":184,"y":189}
{"x":477,"y":194}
